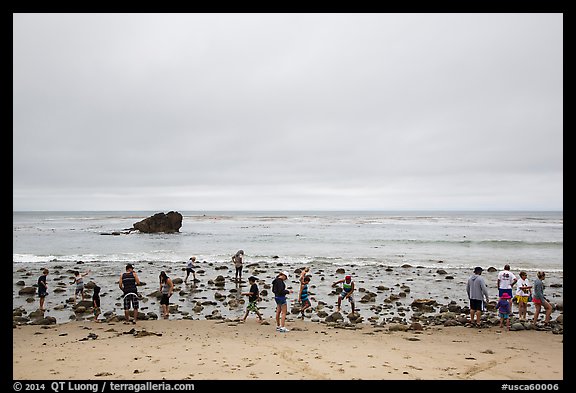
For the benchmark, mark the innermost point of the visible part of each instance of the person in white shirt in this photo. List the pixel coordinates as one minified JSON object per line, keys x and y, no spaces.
{"x":506,"y":280}
{"x":523,"y":292}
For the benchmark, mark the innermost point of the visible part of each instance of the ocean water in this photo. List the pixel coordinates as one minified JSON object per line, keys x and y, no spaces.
{"x":529,"y":241}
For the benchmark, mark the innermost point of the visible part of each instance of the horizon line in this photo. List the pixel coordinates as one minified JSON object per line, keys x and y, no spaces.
{"x":293,"y":210}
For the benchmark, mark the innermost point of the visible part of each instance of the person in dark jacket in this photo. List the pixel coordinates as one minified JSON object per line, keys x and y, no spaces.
{"x":280,"y":292}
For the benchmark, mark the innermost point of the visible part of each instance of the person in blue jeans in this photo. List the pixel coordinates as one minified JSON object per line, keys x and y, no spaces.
{"x":280,"y":292}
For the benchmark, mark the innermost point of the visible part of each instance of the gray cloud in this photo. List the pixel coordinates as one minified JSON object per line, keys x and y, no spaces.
{"x":234,"y":111}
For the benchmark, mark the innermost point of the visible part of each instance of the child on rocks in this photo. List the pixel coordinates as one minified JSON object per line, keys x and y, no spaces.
{"x":303,"y":295}
{"x":503,"y":307}
{"x":79,"y":282}
{"x":348,"y":288}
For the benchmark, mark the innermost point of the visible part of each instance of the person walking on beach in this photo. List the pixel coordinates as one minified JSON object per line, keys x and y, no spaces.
{"x":505,"y":282}
{"x":348,"y":288}
{"x":253,"y":297}
{"x":128,"y":284}
{"x":166,"y":288}
{"x":96,"y":302}
{"x":79,"y":282}
{"x":504,"y":308}
{"x":304,"y":296}
{"x":237,"y":260}
{"x":523,"y":292}
{"x":190,"y":269}
{"x":42,"y":288}
{"x":280,"y":292}
{"x":540,"y":300}
{"x":478,"y":294}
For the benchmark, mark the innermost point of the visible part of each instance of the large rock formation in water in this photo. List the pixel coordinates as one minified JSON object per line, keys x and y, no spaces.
{"x":160,"y":222}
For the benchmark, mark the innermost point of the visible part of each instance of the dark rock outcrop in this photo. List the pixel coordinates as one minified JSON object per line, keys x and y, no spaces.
{"x":168,"y":223}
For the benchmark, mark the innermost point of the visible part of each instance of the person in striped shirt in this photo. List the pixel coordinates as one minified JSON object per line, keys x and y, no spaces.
{"x":347,"y":291}
{"x":304,"y":296}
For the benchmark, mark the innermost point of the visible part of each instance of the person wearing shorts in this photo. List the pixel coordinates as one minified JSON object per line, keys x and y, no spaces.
{"x":504,"y":309}
{"x":348,"y":288}
{"x":523,"y":291}
{"x":79,"y":282}
{"x":280,"y":292}
{"x":304,"y":296}
{"x":128,"y":284}
{"x":166,"y":289}
{"x":540,"y":300}
{"x":477,"y":293}
{"x":253,"y":297}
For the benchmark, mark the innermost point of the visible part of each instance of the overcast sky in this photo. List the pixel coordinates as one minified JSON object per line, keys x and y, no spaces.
{"x":288,"y":111}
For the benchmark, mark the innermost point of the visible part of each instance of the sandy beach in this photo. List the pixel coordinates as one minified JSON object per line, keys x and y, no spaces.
{"x":231,"y":350}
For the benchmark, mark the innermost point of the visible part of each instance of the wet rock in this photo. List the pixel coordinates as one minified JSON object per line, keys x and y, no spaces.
{"x":80,"y":309}
{"x":336,"y":316}
{"x":517,"y":326}
{"x":27,"y":291}
{"x":156,"y":294}
{"x":44,"y":321}
{"x":36,"y":314}
{"x":215,"y":315}
{"x":397,"y":327}
{"x":416,"y":326}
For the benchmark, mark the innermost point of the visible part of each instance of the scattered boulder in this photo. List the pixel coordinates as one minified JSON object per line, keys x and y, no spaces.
{"x":44,"y":321}
{"x":336,"y":316}
{"x":27,"y":291}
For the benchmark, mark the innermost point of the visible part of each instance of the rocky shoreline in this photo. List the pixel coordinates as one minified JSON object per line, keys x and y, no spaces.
{"x":394,"y":298}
